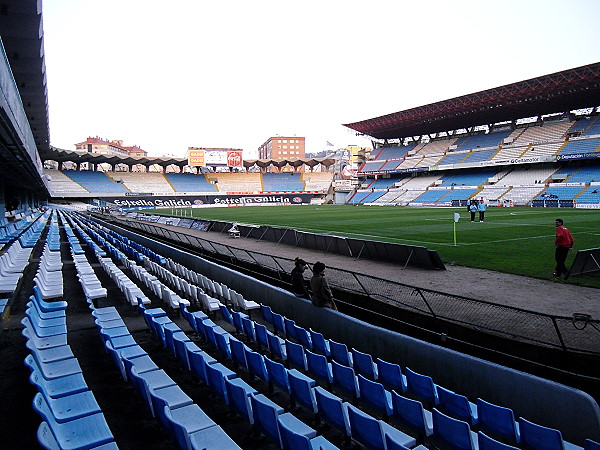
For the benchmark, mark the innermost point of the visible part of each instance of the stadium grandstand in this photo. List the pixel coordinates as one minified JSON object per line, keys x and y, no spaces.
{"x":507,"y":145}
{"x":119,"y":333}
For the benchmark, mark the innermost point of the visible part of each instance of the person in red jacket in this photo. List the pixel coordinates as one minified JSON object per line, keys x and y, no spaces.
{"x":564,"y":245}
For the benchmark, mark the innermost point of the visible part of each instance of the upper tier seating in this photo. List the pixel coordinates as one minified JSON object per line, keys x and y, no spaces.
{"x":394,"y":152}
{"x":236,"y":182}
{"x":434,"y":146}
{"x":61,"y":185}
{"x":454,"y":158}
{"x":282,"y":181}
{"x":492,"y":139}
{"x":143,"y":181}
{"x":542,"y":149}
{"x":594,"y":128}
{"x":189,"y":182}
{"x":391,"y":165}
{"x":535,"y":134}
{"x":482,"y":155}
{"x":510,"y":152}
{"x":95,"y":181}
{"x":372,"y":166}
{"x":582,"y":124}
{"x":581,"y":146}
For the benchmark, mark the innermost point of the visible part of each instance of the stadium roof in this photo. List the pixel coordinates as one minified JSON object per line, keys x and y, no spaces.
{"x":558,"y":92}
{"x":22,"y":36}
{"x":59,"y":155}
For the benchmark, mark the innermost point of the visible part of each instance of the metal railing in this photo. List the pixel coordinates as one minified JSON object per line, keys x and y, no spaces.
{"x":578,"y":333}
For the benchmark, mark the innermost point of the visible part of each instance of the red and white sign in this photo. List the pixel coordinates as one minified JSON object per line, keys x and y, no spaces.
{"x":234,"y":159}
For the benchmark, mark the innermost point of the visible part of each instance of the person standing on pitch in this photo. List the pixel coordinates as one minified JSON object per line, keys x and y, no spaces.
{"x":564,"y":245}
{"x":481,"y":207}
{"x":473,"y":209}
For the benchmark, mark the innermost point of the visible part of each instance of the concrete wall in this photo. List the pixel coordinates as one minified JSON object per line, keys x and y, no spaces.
{"x":551,"y":404}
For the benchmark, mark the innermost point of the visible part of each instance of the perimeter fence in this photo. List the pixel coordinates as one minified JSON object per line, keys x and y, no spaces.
{"x":577,"y":333}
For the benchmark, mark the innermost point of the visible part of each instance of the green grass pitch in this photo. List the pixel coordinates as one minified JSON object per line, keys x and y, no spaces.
{"x":513,"y":240}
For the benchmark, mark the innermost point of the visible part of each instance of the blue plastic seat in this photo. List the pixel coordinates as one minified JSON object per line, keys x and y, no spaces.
{"x":320,"y":344}
{"x":53,"y":354}
{"x":265,"y":414}
{"x":422,"y":386}
{"x":290,"y":328}
{"x":153,"y":312}
{"x":172,"y":397}
{"x":85,"y":432}
{"x":216,"y":374}
{"x":277,"y":347}
{"x":237,"y":321}
{"x":154,"y":379}
{"x":318,"y":366}
{"x":332,"y":410}
{"x":262,"y":337}
{"x":370,"y":431}
{"x":238,"y":352}
{"x":59,"y":387}
{"x":339,"y":353}
{"x":538,"y":437}
{"x":453,"y":432}
{"x":186,"y":421}
{"x":292,"y":440}
{"x":212,"y":438}
{"x":295,"y":355}
{"x":278,"y":324}
{"x":344,"y":378}
{"x":169,"y":330}
{"x":180,"y":341}
{"x":57,"y":369}
{"x":363,"y":364}
{"x":248,"y":327}
{"x":225,"y":313}
{"x":142,"y":364}
{"x":457,"y":406}
{"x":72,"y":406}
{"x":238,"y":392}
{"x":390,"y":375}
{"x":497,"y":421}
{"x":222,"y":340}
{"x":303,"y":338}
{"x":376,"y":395}
{"x":267,"y":313}
{"x":302,"y":390}
{"x":42,"y":342}
{"x":412,"y":413}
{"x":198,"y":317}
{"x":591,"y":445}
{"x":278,"y":375}
{"x":198,"y":361}
{"x":256,"y":364}
{"x":487,"y":443}
{"x":209,"y":328}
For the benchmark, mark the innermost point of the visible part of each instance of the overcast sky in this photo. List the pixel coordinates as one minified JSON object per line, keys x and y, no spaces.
{"x":167,"y":75}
